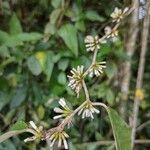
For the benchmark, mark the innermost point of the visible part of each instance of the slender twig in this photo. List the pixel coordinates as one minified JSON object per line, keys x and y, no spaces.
{"x":125,"y":67}
{"x":143,"y":125}
{"x":86,"y":90}
{"x":139,"y":81}
{"x":138,"y":141}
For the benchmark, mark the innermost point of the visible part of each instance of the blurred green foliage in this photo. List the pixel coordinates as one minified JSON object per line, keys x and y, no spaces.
{"x":40,"y":41}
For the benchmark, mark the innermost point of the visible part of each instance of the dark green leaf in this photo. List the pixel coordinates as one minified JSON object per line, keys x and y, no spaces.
{"x":48,"y":66}
{"x":18,"y":97}
{"x":94,"y":16}
{"x":54,"y":15}
{"x":121,"y":131}
{"x":14,"y":25}
{"x":110,"y":97}
{"x":34,"y":65}
{"x":69,"y":34}
{"x":62,"y":78}
{"x":56,"y":3}
{"x":19,"y":125}
{"x":111,"y":69}
{"x":3,"y":37}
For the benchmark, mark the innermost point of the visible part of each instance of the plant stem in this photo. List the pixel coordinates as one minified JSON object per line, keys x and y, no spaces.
{"x":86,"y":91}
{"x":125,"y":67}
{"x":139,"y":81}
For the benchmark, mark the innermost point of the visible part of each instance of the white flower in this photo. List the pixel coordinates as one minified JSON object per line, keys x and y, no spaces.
{"x":111,"y":33}
{"x":75,"y":80}
{"x":64,"y":112}
{"x":97,"y":68}
{"x":92,"y":43}
{"x":118,"y":14}
{"x":88,"y":110}
{"x":59,"y":136}
{"x":37,"y":131}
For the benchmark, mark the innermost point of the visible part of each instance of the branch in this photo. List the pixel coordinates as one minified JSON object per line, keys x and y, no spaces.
{"x":139,"y":81}
{"x":138,"y":141}
{"x":125,"y":67}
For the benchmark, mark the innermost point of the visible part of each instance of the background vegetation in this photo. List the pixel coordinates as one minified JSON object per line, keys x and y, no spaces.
{"x":40,"y":41}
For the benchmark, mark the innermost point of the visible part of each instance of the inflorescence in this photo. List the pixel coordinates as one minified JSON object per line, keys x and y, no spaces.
{"x":77,"y":83}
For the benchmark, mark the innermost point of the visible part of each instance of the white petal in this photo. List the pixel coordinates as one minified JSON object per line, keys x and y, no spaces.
{"x":30,"y":139}
{"x":58,"y":116}
{"x":125,"y":10}
{"x":65,"y":134}
{"x":91,"y":115}
{"x":62,"y":102}
{"x":79,"y":113}
{"x":96,"y":110}
{"x":58,"y":110}
{"x":52,"y":143}
{"x":59,"y":142}
{"x":33,"y":125}
{"x":83,"y":114}
{"x":65,"y":143}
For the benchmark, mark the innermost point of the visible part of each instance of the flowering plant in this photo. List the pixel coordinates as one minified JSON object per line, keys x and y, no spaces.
{"x":88,"y":108}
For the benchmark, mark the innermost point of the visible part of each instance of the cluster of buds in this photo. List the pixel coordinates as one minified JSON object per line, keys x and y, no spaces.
{"x":97,"y":68}
{"x":88,"y":110}
{"x":37,"y":132}
{"x":76,"y":82}
{"x":119,"y":14}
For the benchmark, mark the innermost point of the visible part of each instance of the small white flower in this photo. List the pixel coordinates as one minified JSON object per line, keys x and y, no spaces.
{"x":118,"y":14}
{"x":88,"y":110}
{"x":92,"y":43}
{"x":59,"y":136}
{"x":111,"y":33}
{"x":64,"y":112}
{"x":38,"y":132}
{"x":75,"y":80}
{"x":97,"y":68}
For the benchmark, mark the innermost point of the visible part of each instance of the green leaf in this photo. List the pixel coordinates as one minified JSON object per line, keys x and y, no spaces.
{"x":34,"y":65}
{"x":63,"y":64}
{"x":111,"y":69}
{"x":27,"y":37}
{"x":4,"y":52}
{"x":18,"y":97}
{"x":69,"y":34}
{"x":14,"y":25}
{"x":3,"y":37}
{"x":121,"y":131}
{"x":110,"y":97}
{"x":41,"y":112}
{"x":94,"y":16}
{"x":56,"y":3}
{"x":19,"y":125}
{"x":48,"y":66}
{"x":62,"y":78}
{"x":54,"y":15}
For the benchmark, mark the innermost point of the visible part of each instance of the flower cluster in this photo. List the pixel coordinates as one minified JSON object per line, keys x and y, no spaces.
{"x":37,"y":131}
{"x":93,"y":43}
{"x":97,"y":68}
{"x":111,"y":33}
{"x":64,"y":112}
{"x":118,"y":14}
{"x":88,"y":110}
{"x":61,"y":137}
{"x":75,"y":80}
